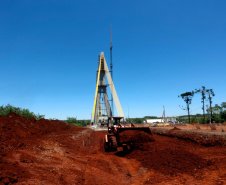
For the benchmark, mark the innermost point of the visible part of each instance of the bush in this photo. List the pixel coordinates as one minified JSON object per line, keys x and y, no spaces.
{"x":74,"y":121}
{"x":223,"y":115}
{"x":71,"y":120}
{"x":194,"y":120}
{"x":6,"y":110}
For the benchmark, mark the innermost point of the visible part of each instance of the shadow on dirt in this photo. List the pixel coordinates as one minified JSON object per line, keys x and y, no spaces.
{"x":123,"y":153}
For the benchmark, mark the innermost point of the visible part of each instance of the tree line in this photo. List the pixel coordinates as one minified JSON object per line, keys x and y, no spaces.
{"x":74,"y":121}
{"x":216,"y":113}
{"x":7,"y":109}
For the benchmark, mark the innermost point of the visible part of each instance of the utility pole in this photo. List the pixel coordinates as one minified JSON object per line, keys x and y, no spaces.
{"x":111,"y":66}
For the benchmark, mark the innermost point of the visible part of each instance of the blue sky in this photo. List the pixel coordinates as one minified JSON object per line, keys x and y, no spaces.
{"x":49,"y":51}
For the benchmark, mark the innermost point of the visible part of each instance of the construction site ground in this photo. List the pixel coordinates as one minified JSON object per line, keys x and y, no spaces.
{"x":51,"y":152}
{"x":203,"y":128}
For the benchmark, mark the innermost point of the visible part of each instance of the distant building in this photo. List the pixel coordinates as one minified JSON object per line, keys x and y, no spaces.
{"x":153,"y":120}
{"x":167,"y":120}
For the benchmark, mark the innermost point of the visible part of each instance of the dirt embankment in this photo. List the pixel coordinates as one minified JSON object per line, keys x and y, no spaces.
{"x":138,"y":138}
{"x":51,"y":152}
{"x":26,"y":144}
{"x":203,"y":138}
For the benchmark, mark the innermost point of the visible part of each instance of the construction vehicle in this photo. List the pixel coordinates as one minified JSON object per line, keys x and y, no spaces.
{"x":115,"y":128}
{"x":102,"y":108}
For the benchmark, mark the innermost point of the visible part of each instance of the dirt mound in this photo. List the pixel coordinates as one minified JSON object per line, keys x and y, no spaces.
{"x":15,"y":127}
{"x":171,"y":131}
{"x":18,"y":131}
{"x":203,"y":138}
{"x":136,"y":139}
{"x":169,"y":161}
{"x":159,"y":157}
{"x":19,"y":134}
{"x":175,"y":128}
{"x":135,"y":136}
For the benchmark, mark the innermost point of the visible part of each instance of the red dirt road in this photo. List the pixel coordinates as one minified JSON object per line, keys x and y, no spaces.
{"x":51,"y":152}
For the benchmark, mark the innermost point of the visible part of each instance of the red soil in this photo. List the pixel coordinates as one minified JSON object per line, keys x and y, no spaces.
{"x":203,"y":138}
{"x":170,"y":161}
{"x":51,"y":152}
{"x":175,"y":128}
{"x":135,"y":136}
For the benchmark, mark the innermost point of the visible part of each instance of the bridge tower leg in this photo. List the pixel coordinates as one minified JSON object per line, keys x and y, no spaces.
{"x":101,"y":97}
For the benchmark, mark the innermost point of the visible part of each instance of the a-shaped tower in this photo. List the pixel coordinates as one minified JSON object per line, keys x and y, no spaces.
{"x":101,"y":107}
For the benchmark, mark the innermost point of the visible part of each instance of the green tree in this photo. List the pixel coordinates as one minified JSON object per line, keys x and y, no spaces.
{"x":210,"y":95}
{"x":223,"y":111}
{"x":137,"y":120}
{"x":223,"y":115}
{"x":219,"y":113}
{"x":187,"y":97}
{"x":217,"y":109}
{"x":203,"y":93}
{"x":71,"y":120}
{"x":6,"y":110}
{"x":194,"y":119}
{"x":223,"y":105}
{"x":74,"y":121}
{"x":150,"y":117}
